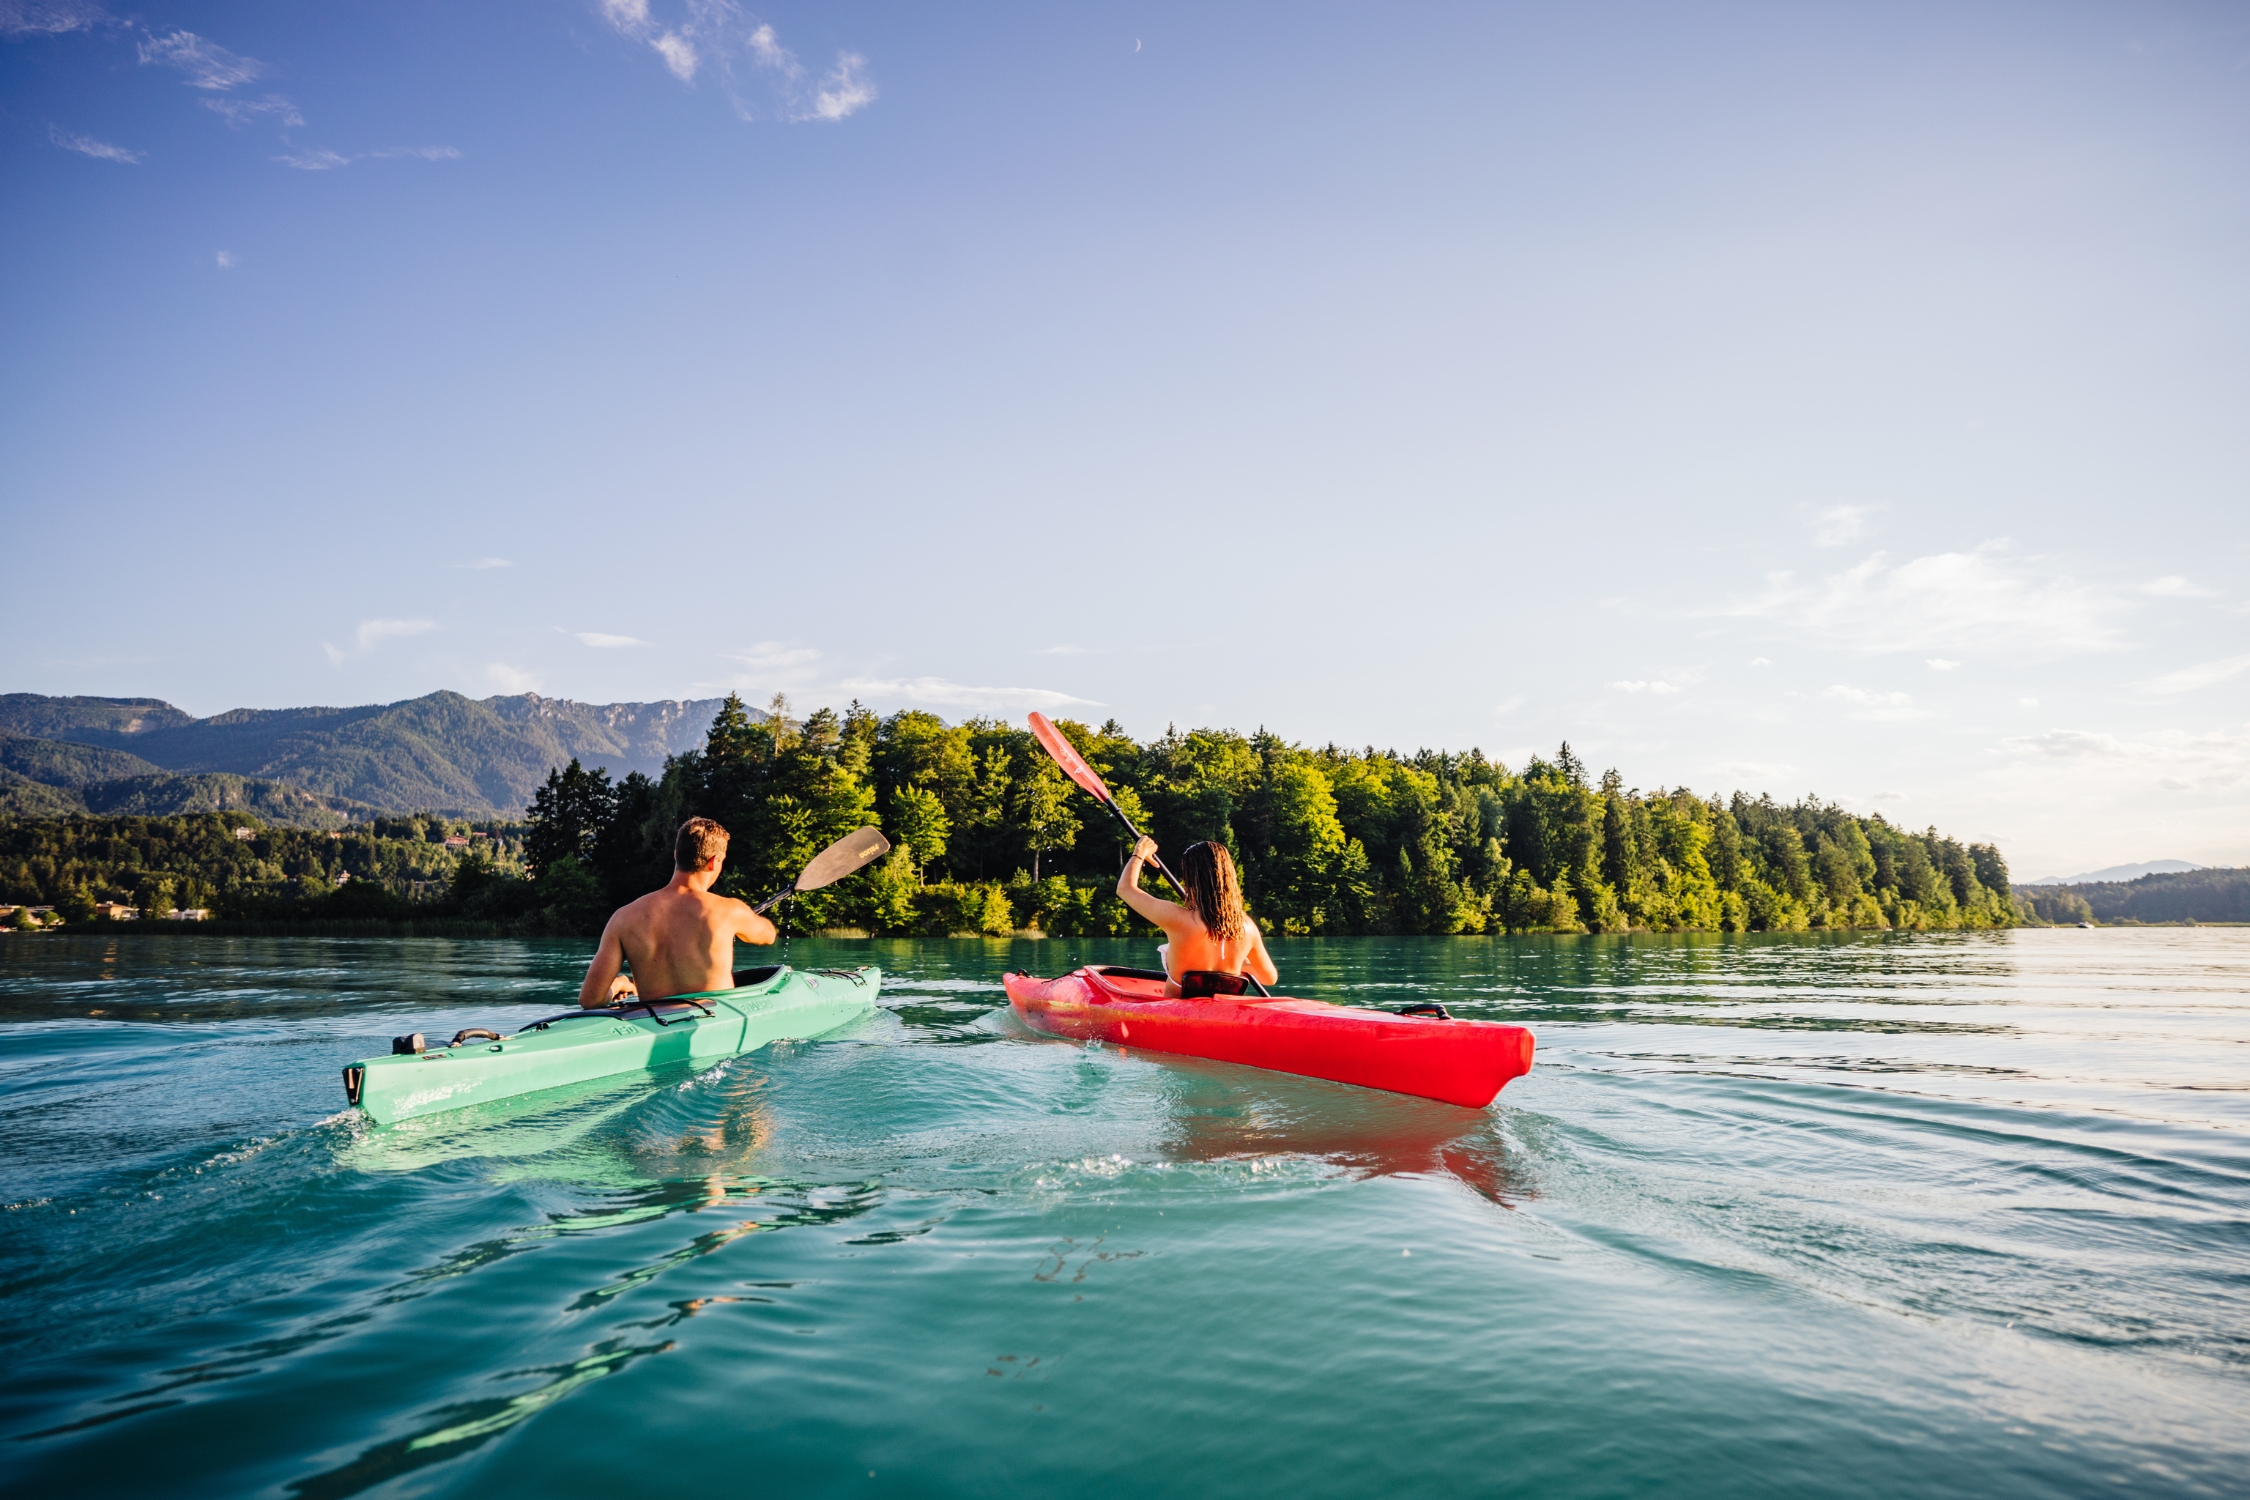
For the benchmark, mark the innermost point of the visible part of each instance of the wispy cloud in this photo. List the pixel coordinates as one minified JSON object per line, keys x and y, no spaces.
{"x":774,"y":656}
{"x":1839,"y":524}
{"x":371,"y":631}
{"x":86,"y":145}
{"x":1644,"y":687}
{"x":207,"y":64}
{"x":486,"y":562}
{"x":1508,"y":705}
{"x":419,"y":153}
{"x":50,"y":17}
{"x":2203,"y":675}
{"x":2167,"y":760}
{"x":240,"y":112}
{"x":511,"y":679}
{"x":714,"y":34}
{"x":1978,"y":602}
{"x":1942,"y":664}
{"x":940,"y":692}
{"x":605,"y":642}
{"x":1874,"y":704}
{"x":846,"y":91}
{"x":2172,"y":586}
{"x":1062,"y":651}
{"x":314,"y":160}
{"x":226,"y":260}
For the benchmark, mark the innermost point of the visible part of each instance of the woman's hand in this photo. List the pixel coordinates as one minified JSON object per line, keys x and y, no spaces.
{"x":1145,"y":849}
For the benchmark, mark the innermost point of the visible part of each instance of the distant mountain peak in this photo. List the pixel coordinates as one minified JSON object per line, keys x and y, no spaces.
{"x":2120,"y":872}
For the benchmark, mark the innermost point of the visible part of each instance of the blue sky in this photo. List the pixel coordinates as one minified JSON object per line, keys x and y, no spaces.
{"x":1845,"y":400}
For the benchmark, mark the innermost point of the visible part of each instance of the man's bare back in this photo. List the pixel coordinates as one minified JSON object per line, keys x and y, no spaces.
{"x":680,"y":940}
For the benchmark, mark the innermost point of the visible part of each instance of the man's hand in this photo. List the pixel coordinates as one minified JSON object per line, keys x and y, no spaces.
{"x":623,"y":988}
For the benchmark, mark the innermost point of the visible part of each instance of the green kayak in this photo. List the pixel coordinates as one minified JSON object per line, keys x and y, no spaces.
{"x":766,"y":1005}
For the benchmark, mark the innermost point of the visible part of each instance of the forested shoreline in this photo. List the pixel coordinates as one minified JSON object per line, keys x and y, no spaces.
{"x":990,"y":838}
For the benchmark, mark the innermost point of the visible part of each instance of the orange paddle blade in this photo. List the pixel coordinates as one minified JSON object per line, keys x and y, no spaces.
{"x":1073,"y":764}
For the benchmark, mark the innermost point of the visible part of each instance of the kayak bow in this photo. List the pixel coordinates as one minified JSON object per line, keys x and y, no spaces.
{"x":1433,"y":1057}
{"x":777,"y":1003}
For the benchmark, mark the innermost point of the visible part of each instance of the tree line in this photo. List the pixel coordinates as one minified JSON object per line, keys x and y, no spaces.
{"x":989,"y":837}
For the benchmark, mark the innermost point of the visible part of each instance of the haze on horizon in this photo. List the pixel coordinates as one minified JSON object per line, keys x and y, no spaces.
{"x":1841,"y":401}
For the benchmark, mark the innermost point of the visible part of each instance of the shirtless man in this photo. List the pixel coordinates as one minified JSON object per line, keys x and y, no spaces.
{"x":1212,"y":931}
{"x":680,"y":940}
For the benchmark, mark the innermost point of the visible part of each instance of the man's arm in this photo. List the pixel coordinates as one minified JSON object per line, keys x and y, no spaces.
{"x":1163,"y":913}
{"x":749,"y":927}
{"x":602,"y":972}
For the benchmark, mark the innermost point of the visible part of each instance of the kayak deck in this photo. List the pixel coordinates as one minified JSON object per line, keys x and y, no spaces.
{"x":1460,"y":1062}
{"x":578,"y":1046}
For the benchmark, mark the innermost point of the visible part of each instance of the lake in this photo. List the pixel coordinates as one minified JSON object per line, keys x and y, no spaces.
{"x":1863,"y":1214}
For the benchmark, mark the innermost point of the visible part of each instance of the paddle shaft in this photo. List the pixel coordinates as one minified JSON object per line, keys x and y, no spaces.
{"x":1119,"y":814}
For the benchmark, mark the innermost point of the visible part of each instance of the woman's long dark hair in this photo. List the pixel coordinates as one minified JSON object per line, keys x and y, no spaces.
{"x":1207,"y":870}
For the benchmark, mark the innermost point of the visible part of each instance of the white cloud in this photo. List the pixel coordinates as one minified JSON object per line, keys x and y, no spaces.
{"x":207,"y":64}
{"x":511,"y":679}
{"x":1875,"y":705}
{"x":486,"y":562}
{"x":1644,"y":687}
{"x":371,"y":631}
{"x":314,"y":160}
{"x":2190,"y":679}
{"x":335,"y":657}
{"x":1508,"y":705}
{"x":2172,"y":586}
{"x":49,"y":17}
{"x":1978,"y":602}
{"x":939,"y":692}
{"x":86,"y":145}
{"x":1839,"y":524}
{"x":1752,"y":770}
{"x":226,"y":260}
{"x":241,"y":112}
{"x":1760,"y":661}
{"x":2172,"y":760}
{"x":420,"y":153}
{"x":1062,"y":651}
{"x":606,"y":642}
{"x":714,"y":34}
{"x":846,"y":91}
{"x":776,"y":656}
{"x":679,"y":55}
{"x":1941,"y":664}
{"x":2027,"y":702}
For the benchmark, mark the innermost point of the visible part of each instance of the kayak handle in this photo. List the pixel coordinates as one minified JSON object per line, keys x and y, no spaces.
{"x":1429,"y":1008}
{"x":471,"y":1034}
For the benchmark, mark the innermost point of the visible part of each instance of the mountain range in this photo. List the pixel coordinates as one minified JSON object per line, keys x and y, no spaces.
{"x":442,"y":752}
{"x":2118,"y":872}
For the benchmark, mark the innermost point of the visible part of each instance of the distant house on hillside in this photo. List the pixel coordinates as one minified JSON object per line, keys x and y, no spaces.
{"x":188,"y":914}
{"x":246,"y":834}
{"x":343,"y":877}
{"x":116,"y":911}
{"x":456,"y":842}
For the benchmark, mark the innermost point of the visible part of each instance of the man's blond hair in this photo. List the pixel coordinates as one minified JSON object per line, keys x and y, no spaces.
{"x":698,"y":840}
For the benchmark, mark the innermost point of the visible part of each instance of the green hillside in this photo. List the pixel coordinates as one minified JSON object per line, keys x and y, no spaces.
{"x":443,"y":752}
{"x":2180,"y":896}
{"x":61,"y":764}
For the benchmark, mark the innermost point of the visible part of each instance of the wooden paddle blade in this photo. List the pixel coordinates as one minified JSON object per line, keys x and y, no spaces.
{"x":1073,"y":764}
{"x":854,"y":851}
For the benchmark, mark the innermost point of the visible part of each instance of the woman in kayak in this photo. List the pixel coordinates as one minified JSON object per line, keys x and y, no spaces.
{"x":1212,"y":932}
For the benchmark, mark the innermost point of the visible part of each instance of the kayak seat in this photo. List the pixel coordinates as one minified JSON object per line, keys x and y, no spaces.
{"x":744,"y":978}
{"x":1207,"y":984}
{"x":1122,"y":973}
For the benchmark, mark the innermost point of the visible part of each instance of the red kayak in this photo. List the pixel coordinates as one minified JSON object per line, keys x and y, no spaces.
{"x":1428,"y":1054}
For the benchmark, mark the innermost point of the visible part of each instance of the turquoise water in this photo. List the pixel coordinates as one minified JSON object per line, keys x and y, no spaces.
{"x":1878,"y":1216}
